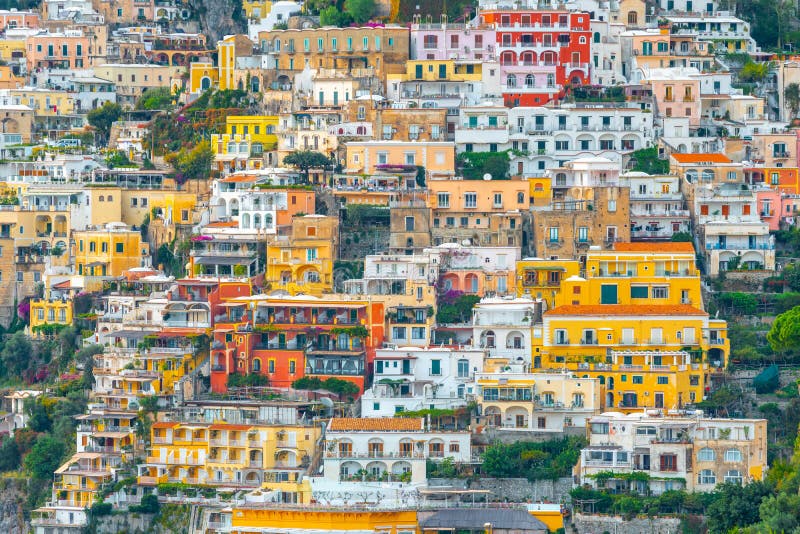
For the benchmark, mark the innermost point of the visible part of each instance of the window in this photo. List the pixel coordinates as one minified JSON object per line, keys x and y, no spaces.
{"x":734,"y":476}
{"x":638,"y":379}
{"x":463,"y":368}
{"x":292,"y":367}
{"x":436,"y":367}
{"x":668,"y":462}
{"x":409,"y":224}
{"x":430,"y":41}
{"x":706,"y":455}
{"x":660,"y":292}
{"x":443,"y":200}
{"x":470,"y":200}
{"x":498,"y":200}
{"x":707,"y":476}
{"x":733,"y":455}
{"x":583,"y":234}
{"x":638,"y":292}
{"x":271,"y":366}
{"x":120,"y":247}
{"x":418,"y":332}
{"x":663,"y":380}
{"x":399,"y":332}
{"x":553,"y":234}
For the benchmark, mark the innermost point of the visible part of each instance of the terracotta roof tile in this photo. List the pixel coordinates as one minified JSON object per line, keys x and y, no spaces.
{"x":627,"y":309}
{"x":376,"y":424}
{"x":165,"y":424}
{"x":701,"y":158}
{"x":226,"y":426}
{"x":667,"y":246}
{"x":223,"y":224}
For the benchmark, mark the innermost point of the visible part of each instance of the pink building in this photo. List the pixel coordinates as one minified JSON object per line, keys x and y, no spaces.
{"x":452,"y":41}
{"x":18,"y":19}
{"x":71,"y":49}
{"x":775,"y":207}
{"x":676,"y":91}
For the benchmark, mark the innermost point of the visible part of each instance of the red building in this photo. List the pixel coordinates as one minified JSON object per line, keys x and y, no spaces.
{"x":287,"y":338}
{"x":539,"y":52}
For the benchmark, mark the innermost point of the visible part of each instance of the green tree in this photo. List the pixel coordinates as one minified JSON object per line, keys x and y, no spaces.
{"x":156,"y":98}
{"x":16,"y":355}
{"x":779,"y":513}
{"x":647,"y":160}
{"x":784,"y":335}
{"x":735,"y":506}
{"x":9,"y":455}
{"x":103,"y":117}
{"x":305,"y":160}
{"x":333,"y":16}
{"x":360,"y":10}
{"x":45,"y":457}
{"x":754,"y":72}
{"x":38,"y":418}
{"x":194,"y":164}
{"x":683,"y":237}
{"x":791,"y":97}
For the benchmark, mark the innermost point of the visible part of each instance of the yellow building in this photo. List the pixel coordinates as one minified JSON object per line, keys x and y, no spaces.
{"x":303,"y":260}
{"x":8,"y":80}
{"x":437,"y":70}
{"x":636,"y":322}
{"x":256,"y":9}
{"x":44,"y":102}
{"x":228,"y":49}
{"x":11,"y":49}
{"x":55,"y":308}
{"x":203,"y":75}
{"x":242,"y":455}
{"x":541,"y":278}
{"x":541,"y":191}
{"x":249,"y":520}
{"x":109,"y":251}
{"x":261,"y":129}
{"x":174,"y":208}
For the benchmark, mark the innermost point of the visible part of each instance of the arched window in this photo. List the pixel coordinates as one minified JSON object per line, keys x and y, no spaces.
{"x":633,"y":17}
{"x":530,"y":81}
{"x":205,"y":83}
{"x":691,"y":176}
{"x":733,"y":455}
{"x":551,"y":80}
{"x":511,"y":80}
{"x":582,"y":39}
{"x":707,"y":476}
{"x":267,"y":221}
{"x":708,"y":175}
{"x":489,"y":339}
{"x":706,"y":455}
{"x":255,"y":84}
{"x":256,"y":221}
{"x":596,"y":37}
{"x":257,"y":365}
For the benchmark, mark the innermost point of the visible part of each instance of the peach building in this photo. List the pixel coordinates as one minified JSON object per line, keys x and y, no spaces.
{"x":71,"y":49}
{"x":438,"y":157}
{"x":18,"y":19}
{"x":676,"y":92}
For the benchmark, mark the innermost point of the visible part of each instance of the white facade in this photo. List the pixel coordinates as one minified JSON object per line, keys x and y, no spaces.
{"x":395,"y":274}
{"x":357,"y":450}
{"x":416,"y":378}
{"x":504,"y":326}
{"x":657,"y":206}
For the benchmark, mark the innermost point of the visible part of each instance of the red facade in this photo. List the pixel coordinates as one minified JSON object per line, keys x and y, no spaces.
{"x":540,"y":52}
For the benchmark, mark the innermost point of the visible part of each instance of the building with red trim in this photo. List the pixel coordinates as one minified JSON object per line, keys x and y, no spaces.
{"x":286,"y":338}
{"x":539,"y":52}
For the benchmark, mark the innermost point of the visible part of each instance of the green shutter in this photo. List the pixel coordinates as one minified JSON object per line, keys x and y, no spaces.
{"x":608,"y":294}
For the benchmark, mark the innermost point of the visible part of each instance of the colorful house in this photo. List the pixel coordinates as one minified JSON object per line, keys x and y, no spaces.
{"x":109,"y":251}
{"x":302,"y":262}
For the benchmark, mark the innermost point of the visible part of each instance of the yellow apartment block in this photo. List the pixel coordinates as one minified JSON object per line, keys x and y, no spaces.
{"x":646,"y":356}
{"x":255,"y":456}
{"x":45,"y":102}
{"x":261,"y":129}
{"x":50,"y":311}
{"x":436,"y":70}
{"x":303,"y":260}
{"x":542,"y":278}
{"x":109,"y":251}
{"x":251,"y":520}
{"x":203,"y":75}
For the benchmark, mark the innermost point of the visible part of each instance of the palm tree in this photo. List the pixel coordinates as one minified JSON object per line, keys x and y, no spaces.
{"x":791,"y":97}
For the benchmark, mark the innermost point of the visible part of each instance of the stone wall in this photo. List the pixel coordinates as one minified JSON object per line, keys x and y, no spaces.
{"x":613,"y":524}
{"x":13,"y":494}
{"x":513,"y":489}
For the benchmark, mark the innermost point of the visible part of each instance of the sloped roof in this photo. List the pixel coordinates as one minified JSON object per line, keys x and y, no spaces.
{"x":668,"y":246}
{"x":626,"y":309}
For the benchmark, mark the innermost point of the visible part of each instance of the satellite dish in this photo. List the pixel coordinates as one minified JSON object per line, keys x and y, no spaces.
{"x":487,"y":177}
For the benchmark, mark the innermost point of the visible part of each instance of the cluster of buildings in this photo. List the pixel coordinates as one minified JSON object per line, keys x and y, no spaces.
{"x":285,"y":387}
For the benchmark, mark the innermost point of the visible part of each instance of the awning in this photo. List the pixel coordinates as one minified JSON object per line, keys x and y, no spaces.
{"x":131,"y":334}
{"x":217,"y":260}
{"x":544,"y":268}
{"x":230,"y":304}
{"x":116,"y":435}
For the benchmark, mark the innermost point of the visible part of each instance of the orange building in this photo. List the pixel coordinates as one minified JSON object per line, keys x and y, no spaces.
{"x":71,"y":49}
{"x":287,"y":338}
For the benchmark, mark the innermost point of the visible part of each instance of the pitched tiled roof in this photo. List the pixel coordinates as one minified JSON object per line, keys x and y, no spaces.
{"x":701,"y":158}
{"x":226,"y":426}
{"x":376,"y":424}
{"x":627,"y":309}
{"x":667,"y":246}
{"x":165,"y":424}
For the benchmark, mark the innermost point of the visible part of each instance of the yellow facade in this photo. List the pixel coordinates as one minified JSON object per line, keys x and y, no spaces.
{"x":227,"y":50}
{"x":45,"y":102}
{"x":432,"y":70}
{"x":261,"y":128}
{"x":8,"y":47}
{"x":303,"y":262}
{"x":248,"y":520}
{"x":173,"y":207}
{"x":256,"y":9}
{"x":7,"y":78}
{"x":202,"y":76}
{"x":50,"y":311}
{"x":541,"y":278}
{"x":636,"y":322}
{"x":541,"y":191}
{"x":108,"y":251}
{"x":257,"y":455}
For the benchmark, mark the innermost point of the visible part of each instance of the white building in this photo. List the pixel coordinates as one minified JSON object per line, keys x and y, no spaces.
{"x":730,"y":229}
{"x":719,"y":29}
{"x":504,"y":326}
{"x":657,"y":206}
{"x":392,"y":449}
{"x":417,"y":378}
